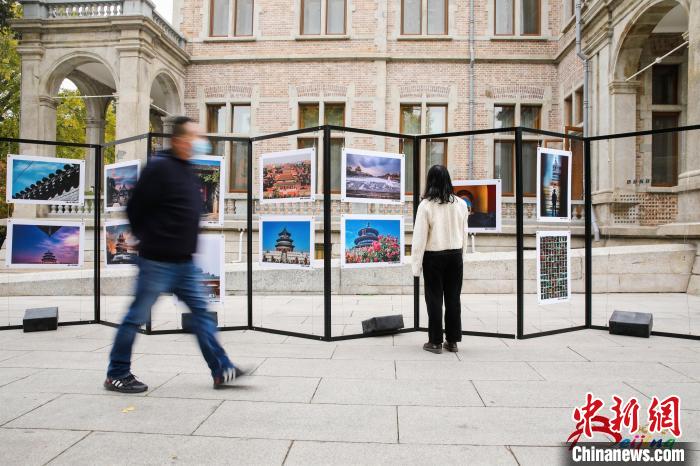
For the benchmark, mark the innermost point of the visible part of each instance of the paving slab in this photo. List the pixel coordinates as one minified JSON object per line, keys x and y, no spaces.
{"x":688,"y":392}
{"x":60,"y":360}
{"x":537,"y":456}
{"x":690,"y":369}
{"x":608,"y":371}
{"x":548,"y":394}
{"x":81,"y":381}
{"x":258,"y":350}
{"x":5,"y":354}
{"x":172,"y":363}
{"x":13,"y":405}
{"x":250,"y":388}
{"x":528,"y":353}
{"x":157,"y":449}
{"x":637,"y":354}
{"x":393,"y":353}
{"x":35,"y":447}
{"x":397,"y":392}
{"x":304,"y":453}
{"x":46,"y":341}
{"x":11,"y":374}
{"x":152,"y":344}
{"x":301,"y":421}
{"x":454,"y":426}
{"x":446,"y":371}
{"x":347,"y":369}
{"x":119,"y":414}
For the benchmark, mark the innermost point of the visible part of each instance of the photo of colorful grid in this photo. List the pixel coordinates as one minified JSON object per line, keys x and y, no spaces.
{"x":553,"y":259}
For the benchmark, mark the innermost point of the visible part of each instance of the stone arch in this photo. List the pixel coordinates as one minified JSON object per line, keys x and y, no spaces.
{"x":93,"y":68}
{"x":636,"y":33}
{"x":166,"y":94}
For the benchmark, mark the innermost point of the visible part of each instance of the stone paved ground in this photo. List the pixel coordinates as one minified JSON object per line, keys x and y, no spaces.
{"x":380,"y":400}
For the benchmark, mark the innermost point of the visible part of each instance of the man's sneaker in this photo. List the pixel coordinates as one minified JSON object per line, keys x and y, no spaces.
{"x":433,"y":348}
{"x":451,"y":347}
{"x":128,"y":384}
{"x":229,"y":376}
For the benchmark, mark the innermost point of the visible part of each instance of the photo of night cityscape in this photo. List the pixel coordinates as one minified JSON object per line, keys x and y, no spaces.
{"x":44,"y":244}
{"x":120,"y":180}
{"x":287,"y":175}
{"x":121,"y":246}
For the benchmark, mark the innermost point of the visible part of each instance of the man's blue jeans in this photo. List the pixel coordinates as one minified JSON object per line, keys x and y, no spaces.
{"x":155,"y":278}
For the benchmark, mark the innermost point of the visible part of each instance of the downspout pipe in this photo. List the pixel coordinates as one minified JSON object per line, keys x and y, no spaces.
{"x":586,"y":102}
{"x":472,"y":78}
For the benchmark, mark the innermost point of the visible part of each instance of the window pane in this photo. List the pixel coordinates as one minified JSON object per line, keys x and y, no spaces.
{"x":312,"y":17}
{"x":664,"y":151}
{"x":216,"y":118}
{"x":239,"y":166}
{"x":504,"y":17}
{"x":665,"y":85}
{"x":241,"y":119}
{"x":334,"y":114}
{"x":411,"y":16}
{"x":410,"y":119}
{"x":503,"y":160}
{"x":244,"y":17}
{"x":406,"y":148}
{"x":308,"y":115}
{"x":437,"y":117}
{"x":219,"y":15}
{"x":335,"y":17}
{"x":336,"y":152}
{"x":530,"y":116}
{"x":529,"y":167}
{"x":530,"y":15}
{"x":436,"y":153}
{"x":504,"y":116}
{"x":437,"y":17}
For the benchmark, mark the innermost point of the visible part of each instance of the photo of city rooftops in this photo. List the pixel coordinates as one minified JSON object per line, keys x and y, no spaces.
{"x":287,"y":176}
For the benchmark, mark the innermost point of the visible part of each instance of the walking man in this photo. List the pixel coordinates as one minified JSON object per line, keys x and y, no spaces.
{"x":164,"y":212}
{"x":554,"y":203}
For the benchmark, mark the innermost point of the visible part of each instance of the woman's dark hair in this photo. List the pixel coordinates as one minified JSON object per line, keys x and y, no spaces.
{"x":438,"y":186}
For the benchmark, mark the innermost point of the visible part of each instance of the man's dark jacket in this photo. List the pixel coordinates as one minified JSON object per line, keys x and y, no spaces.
{"x":165,"y":208}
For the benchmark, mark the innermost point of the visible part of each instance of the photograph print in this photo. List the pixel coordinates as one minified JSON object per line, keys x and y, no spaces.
{"x":120,"y":180}
{"x":210,"y":172}
{"x":371,"y":240}
{"x":121,"y":246}
{"x":553,"y":185}
{"x":286,"y":241}
{"x":288,"y":176}
{"x":483,"y":197}
{"x":372,"y":177}
{"x":553,"y":266}
{"x":209,"y":259}
{"x":44,"y":244}
{"x":45,"y":180}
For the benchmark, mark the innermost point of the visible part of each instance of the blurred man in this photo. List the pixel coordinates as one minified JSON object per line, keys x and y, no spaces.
{"x":164,"y":212}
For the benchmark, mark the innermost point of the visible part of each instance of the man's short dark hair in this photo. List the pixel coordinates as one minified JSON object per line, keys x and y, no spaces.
{"x":179,"y":125}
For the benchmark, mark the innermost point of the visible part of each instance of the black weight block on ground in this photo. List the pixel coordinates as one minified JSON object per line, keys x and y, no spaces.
{"x":382,"y":324}
{"x":187,"y":320}
{"x":40,"y":319}
{"x":634,"y":324}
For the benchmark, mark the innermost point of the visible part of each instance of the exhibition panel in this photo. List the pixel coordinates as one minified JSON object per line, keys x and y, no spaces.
{"x":49,"y":211}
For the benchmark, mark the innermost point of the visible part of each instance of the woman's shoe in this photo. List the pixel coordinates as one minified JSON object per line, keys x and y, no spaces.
{"x":451,"y":347}
{"x":433,"y":348}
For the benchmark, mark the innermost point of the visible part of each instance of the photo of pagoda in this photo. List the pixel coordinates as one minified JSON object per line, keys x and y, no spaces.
{"x":121,"y":246}
{"x":120,"y":180}
{"x":553,"y":196}
{"x":45,"y":180}
{"x":44,"y":244}
{"x":372,"y":177}
{"x":287,"y":176}
{"x":372,"y":240}
{"x":286,"y":243}
{"x":209,"y":260}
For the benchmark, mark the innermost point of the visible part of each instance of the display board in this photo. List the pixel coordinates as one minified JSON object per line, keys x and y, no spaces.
{"x":553,"y":266}
{"x":484,"y":200}
{"x":44,"y":244}
{"x":45,"y":180}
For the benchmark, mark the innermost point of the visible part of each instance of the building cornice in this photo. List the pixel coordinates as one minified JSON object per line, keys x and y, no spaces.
{"x":199,"y":60}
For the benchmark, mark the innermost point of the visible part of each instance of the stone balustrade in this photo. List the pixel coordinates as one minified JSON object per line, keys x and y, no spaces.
{"x":84,"y":10}
{"x":85,"y":210}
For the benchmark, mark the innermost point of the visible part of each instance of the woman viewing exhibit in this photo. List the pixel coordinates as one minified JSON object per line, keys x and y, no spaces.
{"x":439,"y":242}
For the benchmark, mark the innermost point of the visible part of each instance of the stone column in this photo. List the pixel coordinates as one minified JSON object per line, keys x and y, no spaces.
{"x":623,"y":108}
{"x":689,"y":180}
{"x":134,"y":99}
{"x":94,"y":134}
{"x":167,"y":124}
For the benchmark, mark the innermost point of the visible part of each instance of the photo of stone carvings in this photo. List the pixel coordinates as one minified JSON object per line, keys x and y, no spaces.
{"x":209,"y":259}
{"x":121,"y":246}
{"x":287,"y":176}
{"x":371,"y":240}
{"x":553,"y":267}
{"x":372,"y":177}
{"x":209,"y":170}
{"x":44,"y":180}
{"x":554,"y":179}
{"x":286,"y":241}
{"x":44,"y":244}
{"x":120,"y":180}
{"x":483,"y":197}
